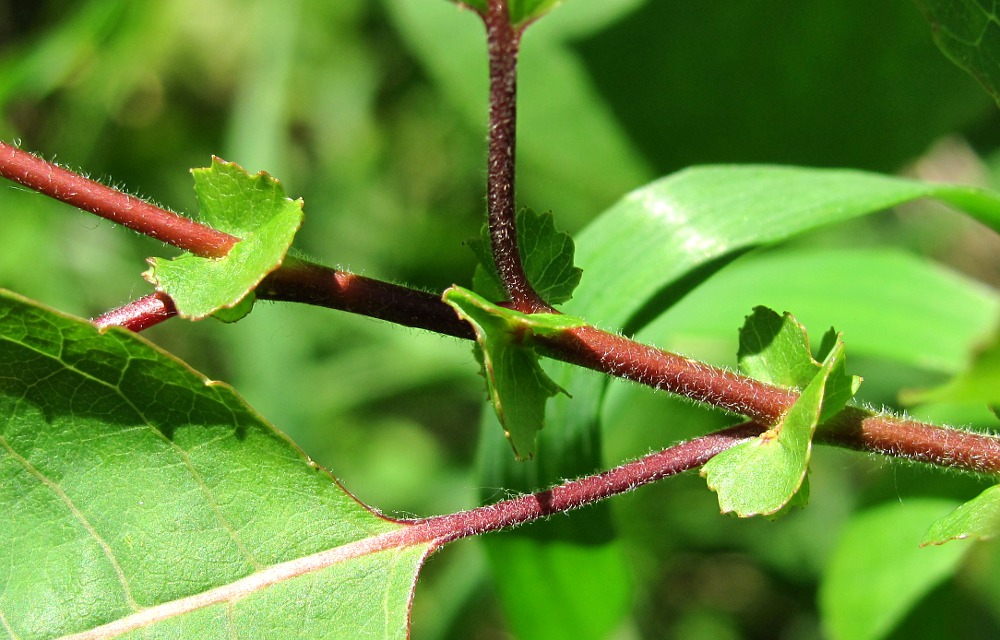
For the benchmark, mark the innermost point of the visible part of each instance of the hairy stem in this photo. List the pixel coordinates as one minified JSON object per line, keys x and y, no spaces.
{"x":577,"y":493}
{"x":503,"y":42}
{"x":299,"y":281}
{"x":134,"y":213}
{"x":139,"y":314}
{"x":587,"y":346}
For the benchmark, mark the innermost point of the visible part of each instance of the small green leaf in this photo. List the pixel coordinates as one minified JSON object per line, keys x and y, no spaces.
{"x":878,"y":571}
{"x":775,"y":349}
{"x":547,"y":255}
{"x":517,"y":385}
{"x":968,"y":32}
{"x":253,"y":208}
{"x":762,"y":476}
{"x":978,"y":518}
{"x":521,"y":11}
{"x":137,"y":492}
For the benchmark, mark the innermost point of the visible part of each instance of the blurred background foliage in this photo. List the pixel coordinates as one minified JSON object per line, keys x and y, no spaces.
{"x":374,"y":112}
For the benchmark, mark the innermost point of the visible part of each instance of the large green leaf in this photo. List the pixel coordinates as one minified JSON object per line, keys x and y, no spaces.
{"x":978,"y":519}
{"x":879,"y":571}
{"x":681,"y":229}
{"x":252,"y":208}
{"x":700,"y":217}
{"x":867,"y":293}
{"x":968,"y":31}
{"x":138,"y":492}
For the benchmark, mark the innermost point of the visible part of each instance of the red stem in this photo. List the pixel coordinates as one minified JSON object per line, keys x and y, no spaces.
{"x":577,"y":493}
{"x":139,"y":314}
{"x":586,"y":346}
{"x":134,"y":213}
{"x":298,"y":281}
{"x":503,"y":42}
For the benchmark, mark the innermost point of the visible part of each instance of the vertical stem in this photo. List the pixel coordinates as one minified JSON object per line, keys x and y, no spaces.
{"x":503,"y":42}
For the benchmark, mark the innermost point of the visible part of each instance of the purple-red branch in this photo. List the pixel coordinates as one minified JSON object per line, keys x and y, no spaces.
{"x":139,"y":314}
{"x":111,"y":204}
{"x":503,"y":41}
{"x":577,"y":493}
{"x":588,"y":346}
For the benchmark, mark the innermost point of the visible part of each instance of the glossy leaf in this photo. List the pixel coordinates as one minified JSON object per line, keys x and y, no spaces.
{"x":681,"y":229}
{"x":704,"y":216}
{"x":547,"y":256}
{"x":865,"y":292}
{"x":516,"y":383}
{"x":878,"y":571}
{"x":138,"y":492}
{"x":252,"y":208}
{"x":978,"y":518}
{"x":968,"y":32}
{"x":761,"y":476}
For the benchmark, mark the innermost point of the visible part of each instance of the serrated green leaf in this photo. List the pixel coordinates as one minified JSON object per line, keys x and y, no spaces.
{"x":761,"y":476}
{"x":136,"y":491}
{"x":521,"y":11}
{"x":253,"y":208}
{"x":968,"y":32}
{"x":775,"y":349}
{"x":517,"y":386}
{"x":878,"y":571}
{"x":978,"y":519}
{"x":547,"y":255}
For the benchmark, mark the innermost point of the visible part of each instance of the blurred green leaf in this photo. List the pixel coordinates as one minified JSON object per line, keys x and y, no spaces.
{"x":676,"y":77}
{"x":547,"y":256}
{"x":521,"y":11}
{"x":935,"y":316}
{"x":517,"y":386}
{"x":590,"y":581}
{"x":979,"y":383}
{"x":878,"y":571}
{"x":978,"y":518}
{"x":252,"y":208}
{"x":968,"y":32}
{"x":761,"y":476}
{"x":700,"y":218}
{"x":148,"y":490}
